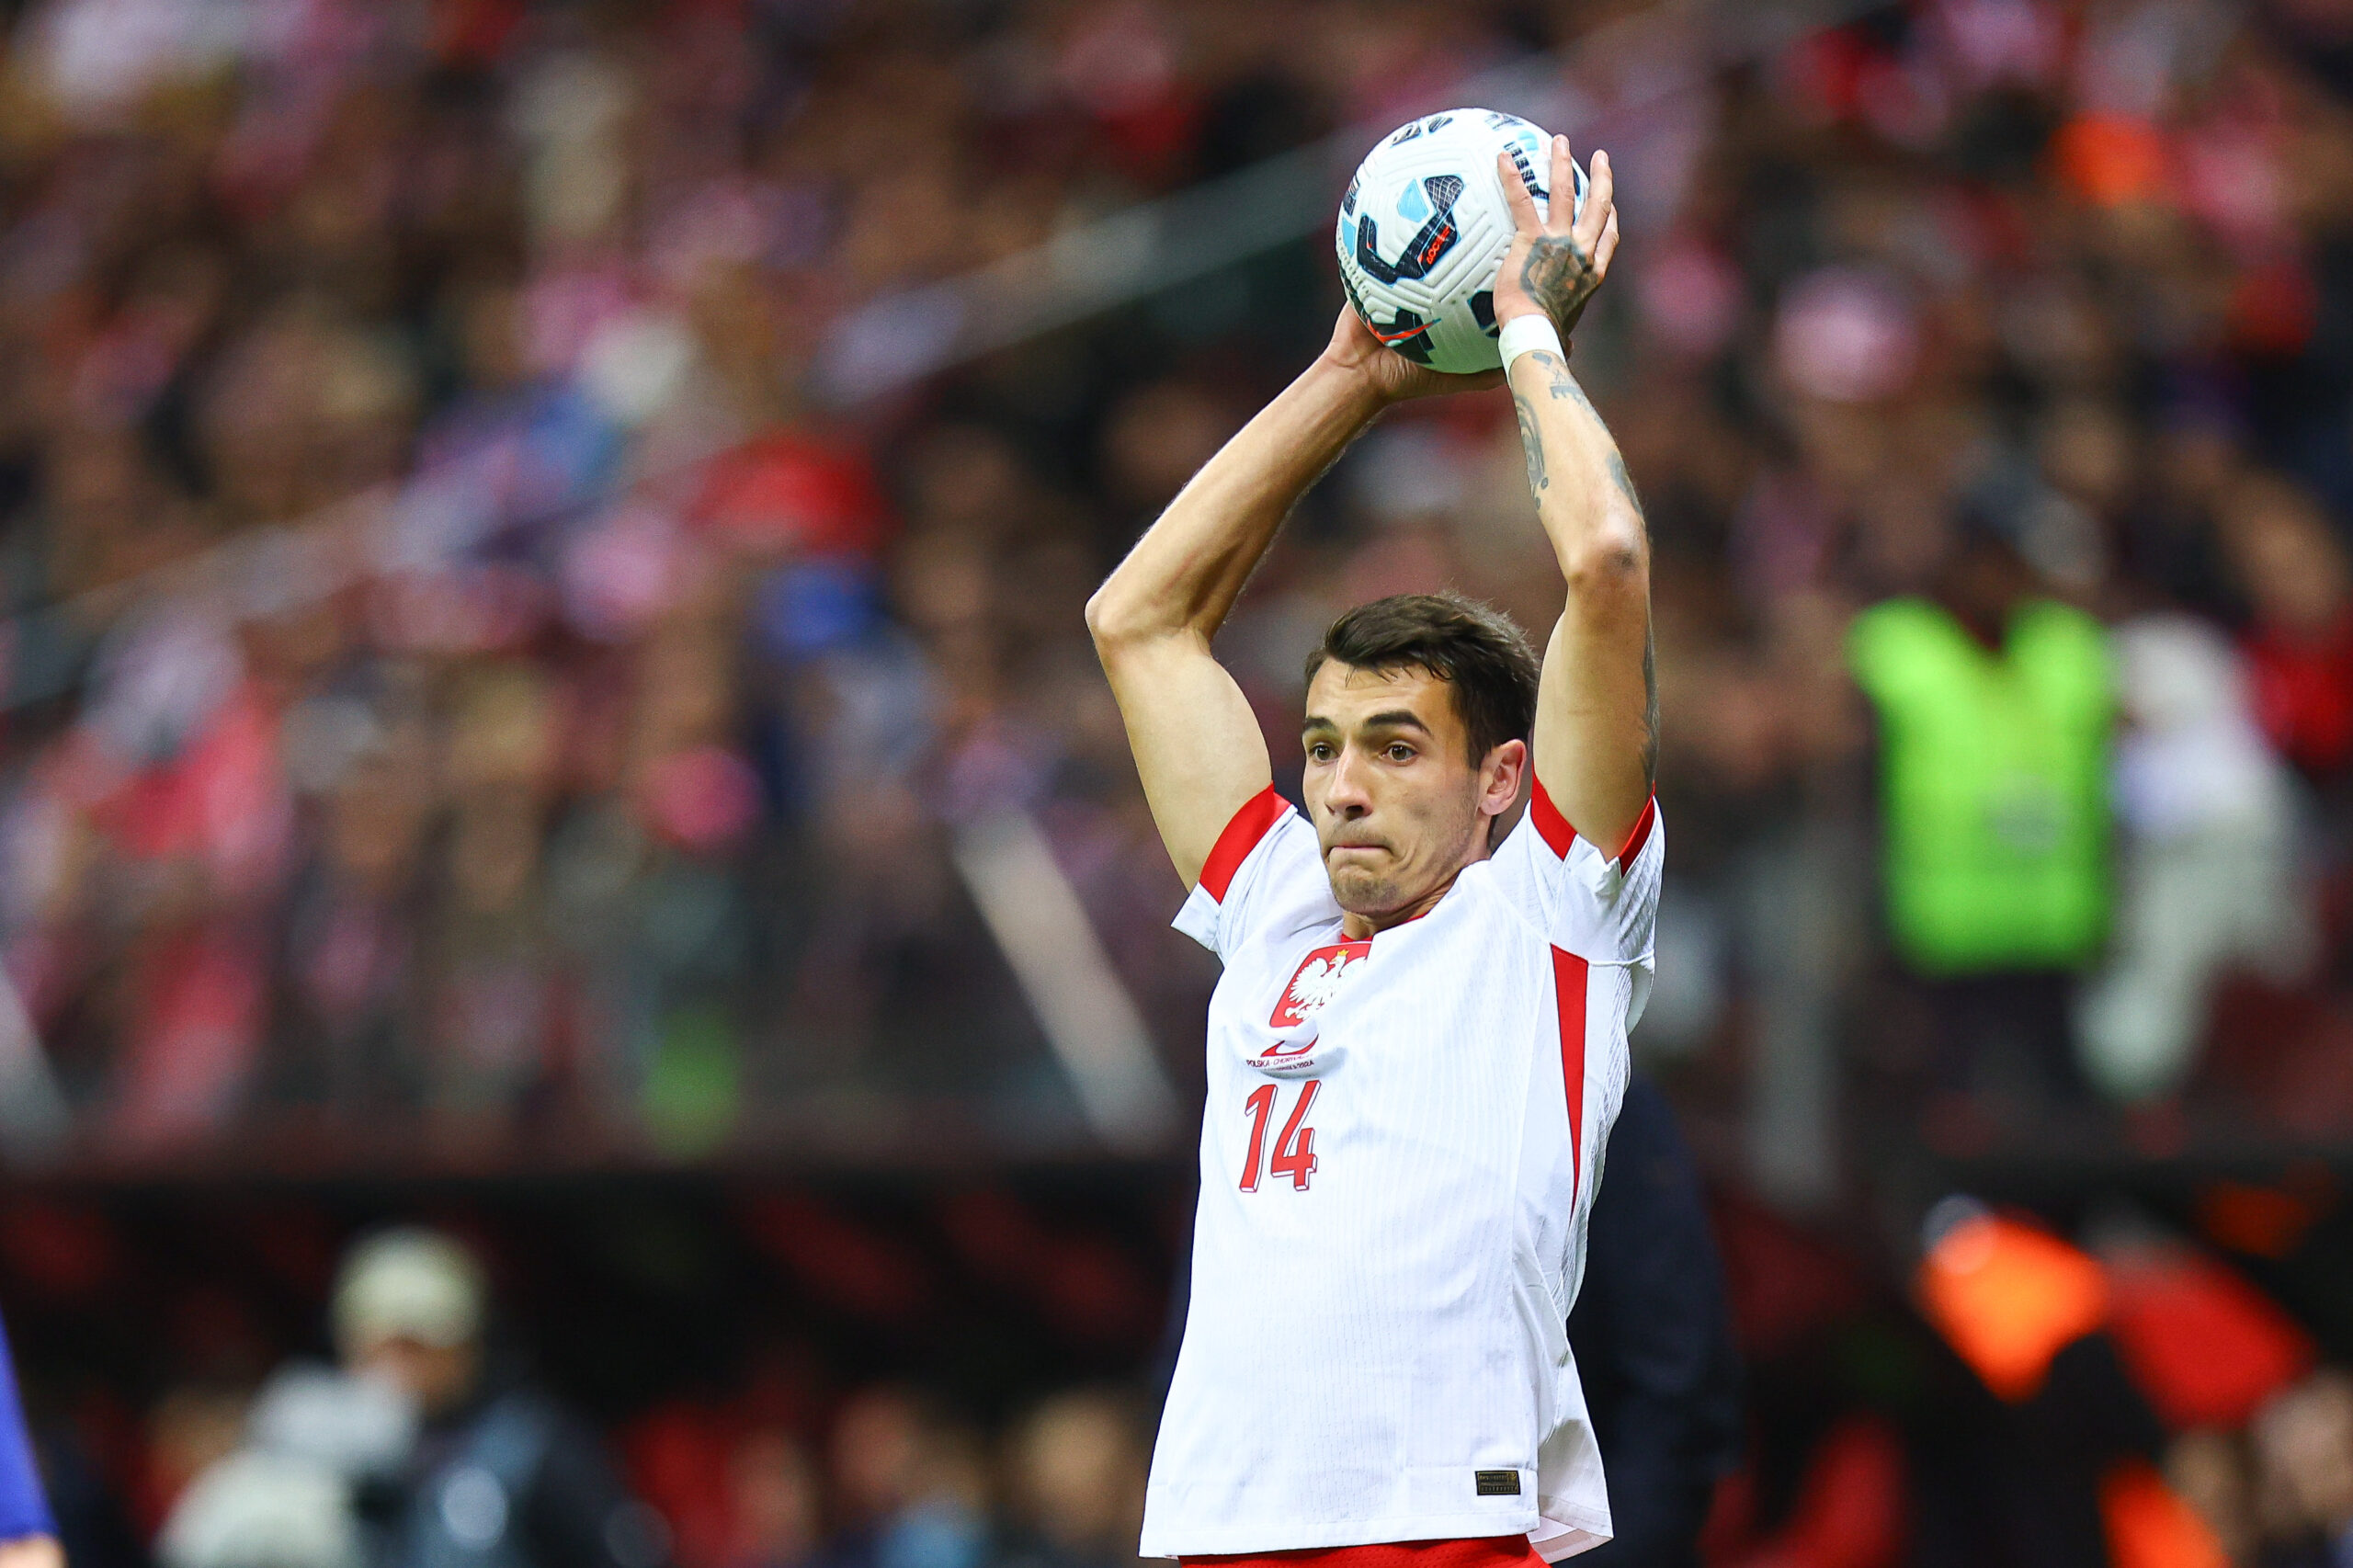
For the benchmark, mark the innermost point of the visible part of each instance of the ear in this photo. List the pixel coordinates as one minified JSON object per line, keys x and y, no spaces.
{"x":1501,"y":776}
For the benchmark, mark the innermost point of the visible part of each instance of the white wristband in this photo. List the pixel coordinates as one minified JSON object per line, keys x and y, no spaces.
{"x":1524,"y":335}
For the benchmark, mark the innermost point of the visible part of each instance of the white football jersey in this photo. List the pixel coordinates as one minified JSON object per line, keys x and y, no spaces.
{"x":1401,"y":1145}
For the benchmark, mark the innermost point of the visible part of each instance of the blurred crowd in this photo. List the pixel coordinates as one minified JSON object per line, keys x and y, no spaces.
{"x":2123,"y":1381}
{"x":462,"y":685}
{"x":425,"y":1441}
{"x":325,"y":1470}
{"x":458,"y":681}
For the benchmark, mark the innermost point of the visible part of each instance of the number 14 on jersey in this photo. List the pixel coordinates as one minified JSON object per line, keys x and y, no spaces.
{"x":1295,"y":1148}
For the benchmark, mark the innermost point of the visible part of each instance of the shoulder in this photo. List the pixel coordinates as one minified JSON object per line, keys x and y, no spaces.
{"x":1265,"y":821}
{"x":1568,"y":888}
{"x":1263,"y":880}
{"x":1892,"y":627}
{"x":1893,"y":616}
{"x":2071,"y":656}
{"x":2078,"y":631}
{"x":1560,"y":840}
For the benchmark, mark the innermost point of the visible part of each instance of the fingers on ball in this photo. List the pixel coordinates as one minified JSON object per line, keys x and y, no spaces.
{"x":1602,"y":191}
{"x":1517,"y":198}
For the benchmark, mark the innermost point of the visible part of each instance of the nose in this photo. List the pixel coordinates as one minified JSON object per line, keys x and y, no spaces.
{"x":1345,"y":795}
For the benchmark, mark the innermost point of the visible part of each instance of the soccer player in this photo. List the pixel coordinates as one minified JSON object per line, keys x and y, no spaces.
{"x":1419,"y":1039}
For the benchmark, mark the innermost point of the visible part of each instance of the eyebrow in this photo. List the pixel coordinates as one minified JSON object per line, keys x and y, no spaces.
{"x":1394,"y":719}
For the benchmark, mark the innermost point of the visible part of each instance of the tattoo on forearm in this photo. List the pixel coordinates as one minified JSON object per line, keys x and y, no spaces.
{"x":1531,"y":444}
{"x":1650,"y":708}
{"x":1624,"y":482}
{"x":1561,"y":384}
{"x":1560,"y":278}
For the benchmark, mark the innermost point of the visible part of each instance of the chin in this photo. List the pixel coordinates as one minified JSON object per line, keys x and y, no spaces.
{"x":1360,"y":894}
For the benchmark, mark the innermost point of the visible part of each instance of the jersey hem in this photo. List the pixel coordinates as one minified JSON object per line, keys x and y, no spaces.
{"x":1570,"y":1542}
{"x":1572,"y":1531}
{"x":1232,"y":1541}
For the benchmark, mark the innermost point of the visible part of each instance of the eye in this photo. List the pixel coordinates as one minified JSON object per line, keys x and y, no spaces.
{"x":1400,"y":752}
{"x":1319,"y":751}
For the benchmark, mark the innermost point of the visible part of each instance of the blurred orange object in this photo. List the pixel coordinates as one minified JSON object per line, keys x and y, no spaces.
{"x":2008,"y":1296}
{"x":2109,"y":159}
{"x":2148,"y":1527}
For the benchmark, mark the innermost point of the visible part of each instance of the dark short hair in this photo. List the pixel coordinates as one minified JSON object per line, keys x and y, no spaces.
{"x":1474,"y":648}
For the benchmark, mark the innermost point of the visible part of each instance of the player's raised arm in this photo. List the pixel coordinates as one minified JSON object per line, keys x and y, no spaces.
{"x":1197,"y":744}
{"x":1596,"y":709}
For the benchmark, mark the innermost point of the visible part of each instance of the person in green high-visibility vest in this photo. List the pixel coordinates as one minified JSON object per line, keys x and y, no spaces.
{"x":1996,"y":711}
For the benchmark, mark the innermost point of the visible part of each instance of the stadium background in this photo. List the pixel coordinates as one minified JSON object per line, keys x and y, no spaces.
{"x":545,"y":692}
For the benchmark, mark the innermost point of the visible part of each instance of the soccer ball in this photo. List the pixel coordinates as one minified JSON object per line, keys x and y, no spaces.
{"x":1424,"y":227}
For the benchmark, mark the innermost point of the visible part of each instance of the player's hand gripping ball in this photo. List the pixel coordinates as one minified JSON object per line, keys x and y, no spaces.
{"x":1424,"y":227}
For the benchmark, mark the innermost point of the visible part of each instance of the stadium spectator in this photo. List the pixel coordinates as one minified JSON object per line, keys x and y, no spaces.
{"x":2304,"y":1445}
{"x":1075,"y":1477}
{"x":497,"y":1473}
{"x":910,"y":1484}
{"x":317,"y":1445}
{"x":2290,"y":566}
{"x":776,"y":1501}
{"x":1994,"y":708}
{"x":2206,"y":872}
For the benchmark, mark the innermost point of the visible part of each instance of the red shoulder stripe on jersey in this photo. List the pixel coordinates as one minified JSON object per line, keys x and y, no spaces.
{"x":1241,"y":837}
{"x":1568,"y":987}
{"x":1559,"y":836}
{"x":1493,"y":1551}
{"x":1640,"y":835}
{"x":1550,"y":823}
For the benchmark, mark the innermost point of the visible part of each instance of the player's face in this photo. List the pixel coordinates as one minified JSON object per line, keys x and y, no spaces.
{"x":1389,"y":786}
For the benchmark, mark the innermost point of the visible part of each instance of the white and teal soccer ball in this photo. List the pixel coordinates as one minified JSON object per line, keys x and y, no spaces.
{"x":1424,"y":227}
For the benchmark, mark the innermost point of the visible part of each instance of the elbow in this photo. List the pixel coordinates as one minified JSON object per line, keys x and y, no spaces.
{"x":1114,"y":618}
{"x":1615,"y":553}
{"x":1104,"y":616}
{"x":1124,"y":612}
